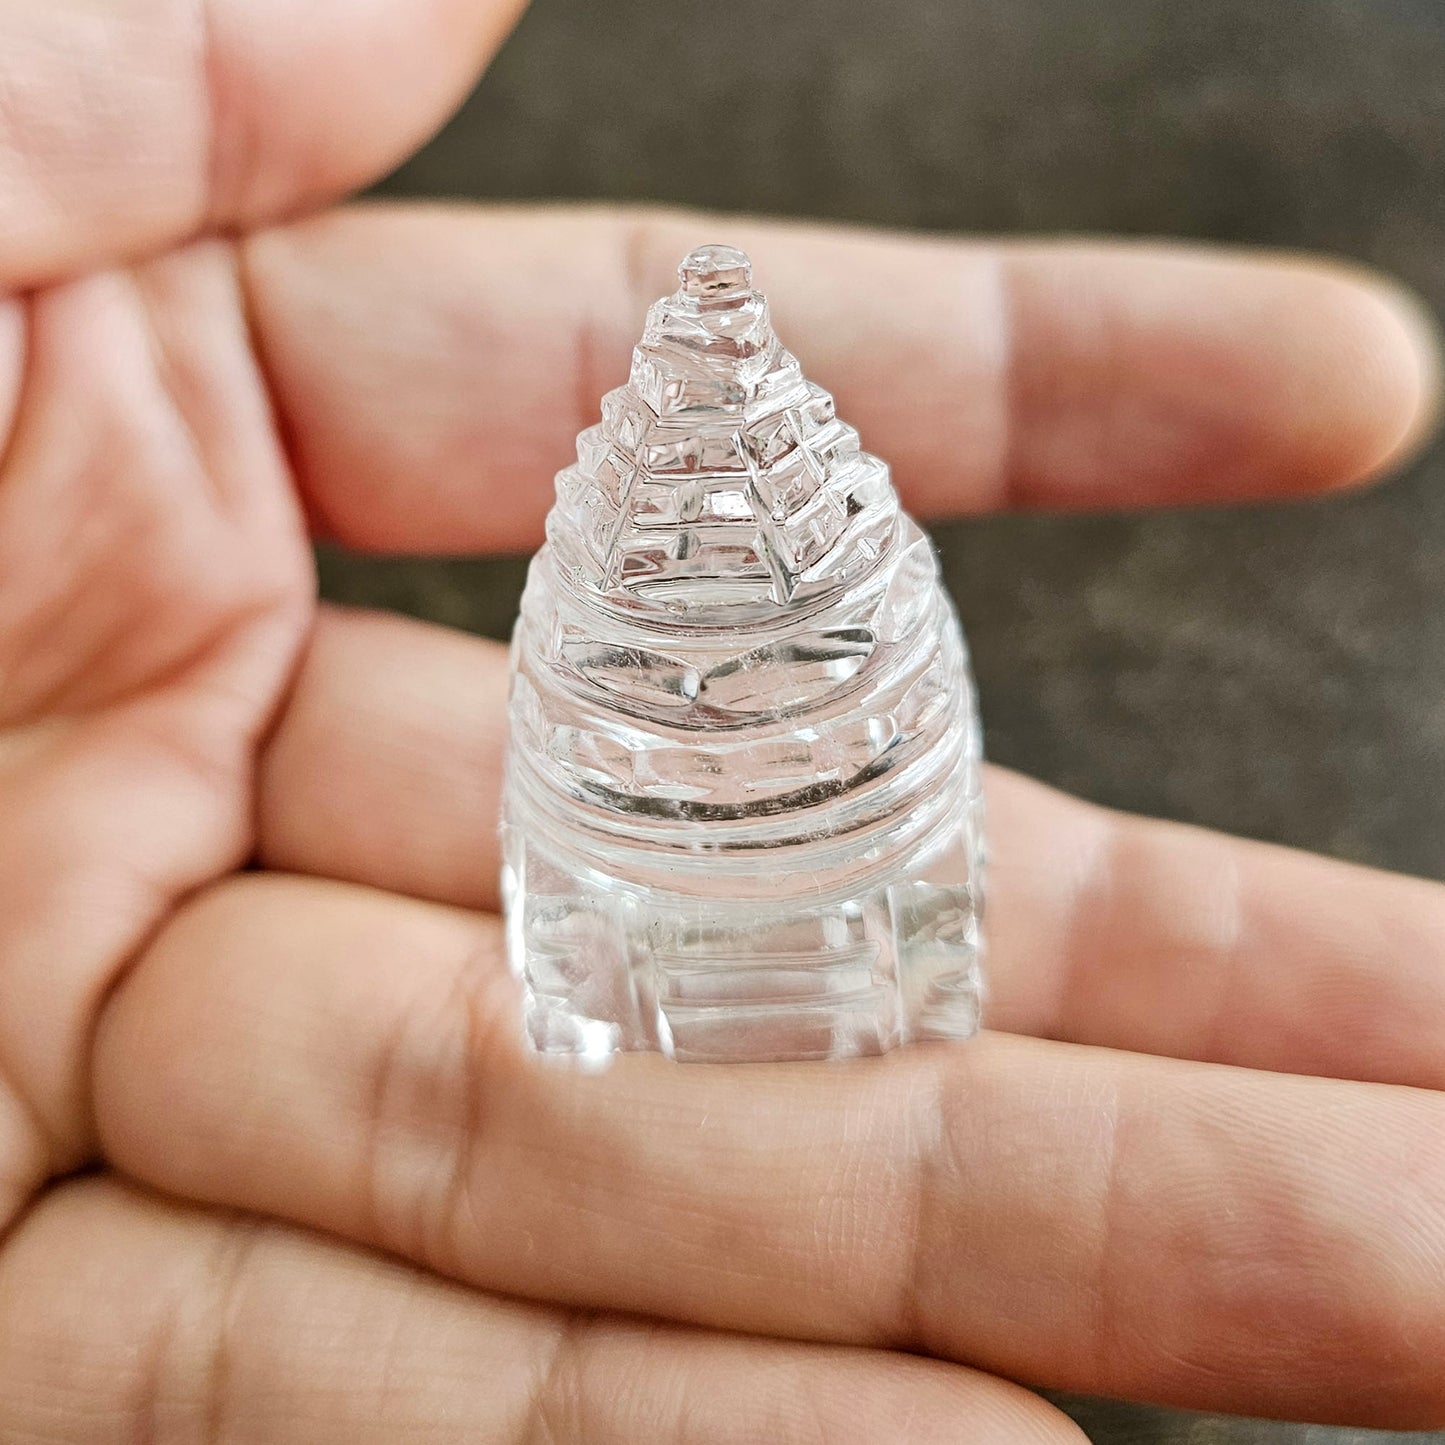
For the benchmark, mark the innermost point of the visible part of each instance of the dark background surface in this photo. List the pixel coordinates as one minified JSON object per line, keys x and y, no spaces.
{"x":1272,"y":671}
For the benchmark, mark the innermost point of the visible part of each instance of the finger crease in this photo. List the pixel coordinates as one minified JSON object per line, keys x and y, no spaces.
{"x":227,"y":1274}
{"x":459,"y":1217}
{"x":1092,"y":900}
{"x":1228,"y":954}
{"x":175,"y":1330}
{"x":18,"y":1182}
{"x":928,"y":1146}
{"x":208,"y":68}
{"x":458,"y":1212}
{"x":550,"y":1421}
{"x":12,"y":408}
{"x":283,"y":428}
{"x":384,"y":1075}
{"x":1007,"y":488}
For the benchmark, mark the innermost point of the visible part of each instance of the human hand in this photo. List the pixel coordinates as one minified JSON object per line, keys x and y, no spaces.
{"x":1132,"y":1186}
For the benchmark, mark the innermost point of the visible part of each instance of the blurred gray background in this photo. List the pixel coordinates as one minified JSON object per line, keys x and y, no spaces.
{"x":1278,"y":672}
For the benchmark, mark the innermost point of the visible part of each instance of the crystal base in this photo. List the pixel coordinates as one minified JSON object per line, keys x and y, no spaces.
{"x":607,"y":971}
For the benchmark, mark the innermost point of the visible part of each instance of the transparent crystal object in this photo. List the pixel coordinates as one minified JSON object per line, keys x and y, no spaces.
{"x":742,"y":804}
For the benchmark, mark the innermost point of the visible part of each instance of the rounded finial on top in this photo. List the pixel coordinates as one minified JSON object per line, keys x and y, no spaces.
{"x":716,"y":273}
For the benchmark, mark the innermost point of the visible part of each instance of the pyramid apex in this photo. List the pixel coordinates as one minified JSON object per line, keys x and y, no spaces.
{"x":720,"y":487}
{"x":717,"y":274}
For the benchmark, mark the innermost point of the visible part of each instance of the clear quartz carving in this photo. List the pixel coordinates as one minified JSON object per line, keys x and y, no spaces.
{"x":742,"y":804}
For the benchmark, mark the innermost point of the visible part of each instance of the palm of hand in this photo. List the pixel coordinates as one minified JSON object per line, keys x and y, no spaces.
{"x":336,"y":1053}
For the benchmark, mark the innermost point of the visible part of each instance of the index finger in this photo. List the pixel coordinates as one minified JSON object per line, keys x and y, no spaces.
{"x":433,"y":366}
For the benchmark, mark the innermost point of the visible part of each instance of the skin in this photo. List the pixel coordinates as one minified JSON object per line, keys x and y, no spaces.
{"x":271,"y":1165}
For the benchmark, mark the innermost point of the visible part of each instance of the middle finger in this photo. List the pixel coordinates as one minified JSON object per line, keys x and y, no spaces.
{"x":1104,"y":929}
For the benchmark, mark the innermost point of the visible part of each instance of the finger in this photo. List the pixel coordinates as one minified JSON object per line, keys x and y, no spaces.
{"x":434,"y":367}
{"x":1140,"y":934}
{"x":1069,"y":1217}
{"x":128,"y":127}
{"x":1104,"y":929}
{"x":409,"y":798}
{"x":125,"y":1317}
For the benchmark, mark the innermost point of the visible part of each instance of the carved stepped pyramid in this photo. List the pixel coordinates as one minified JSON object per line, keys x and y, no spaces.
{"x":742,"y":817}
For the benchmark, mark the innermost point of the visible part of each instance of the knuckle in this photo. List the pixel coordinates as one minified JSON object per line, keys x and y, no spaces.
{"x":435,"y":1079}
